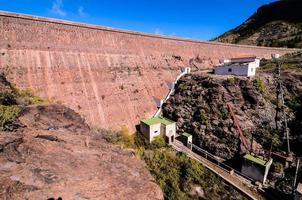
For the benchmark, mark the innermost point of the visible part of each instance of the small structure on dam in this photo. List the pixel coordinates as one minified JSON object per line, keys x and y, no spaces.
{"x":156,"y":126}
{"x":256,"y":167}
{"x":241,"y":66}
{"x":187,"y":139}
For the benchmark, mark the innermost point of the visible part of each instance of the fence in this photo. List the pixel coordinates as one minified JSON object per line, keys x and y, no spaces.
{"x":218,"y":162}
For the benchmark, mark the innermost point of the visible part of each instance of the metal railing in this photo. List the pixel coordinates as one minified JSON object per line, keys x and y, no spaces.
{"x":218,"y":162}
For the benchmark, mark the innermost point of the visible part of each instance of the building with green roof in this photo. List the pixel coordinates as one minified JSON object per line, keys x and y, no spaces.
{"x":256,"y":167}
{"x":156,"y":126}
{"x":187,"y":139}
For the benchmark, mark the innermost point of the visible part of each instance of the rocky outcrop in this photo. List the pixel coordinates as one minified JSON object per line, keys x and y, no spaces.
{"x":199,"y":106}
{"x":53,"y":153}
{"x":109,"y":76}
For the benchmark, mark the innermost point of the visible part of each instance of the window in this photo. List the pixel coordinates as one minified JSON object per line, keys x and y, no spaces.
{"x":155,"y":131}
{"x":230,"y":70}
{"x":252,"y":69}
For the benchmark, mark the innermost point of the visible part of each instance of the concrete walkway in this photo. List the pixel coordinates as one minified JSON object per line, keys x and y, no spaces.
{"x":238,"y":182}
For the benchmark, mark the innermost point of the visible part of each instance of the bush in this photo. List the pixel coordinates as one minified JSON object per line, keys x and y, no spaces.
{"x":8,"y":114}
{"x":260,"y":85}
{"x":176,"y":173}
{"x":122,"y":137}
{"x":225,"y":114}
{"x":266,"y":136}
{"x":294,"y":104}
{"x":7,"y":98}
{"x":278,"y":167}
{"x":158,"y":142}
{"x":27,"y":97}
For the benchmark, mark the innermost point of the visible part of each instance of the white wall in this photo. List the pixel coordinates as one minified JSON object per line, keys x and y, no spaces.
{"x":150,"y":131}
{"x":267,"y":168}
{"x":251,"y":71}
{"x":170,"y":131}
{"x":240,"y":70}
{"x":155,"y":130}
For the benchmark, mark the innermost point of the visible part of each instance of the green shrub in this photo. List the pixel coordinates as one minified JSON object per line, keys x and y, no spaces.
{"x":121,"y":137}
{"x":278,"y":167}
{"x":27,"y":97}
{"x":176,"y":173}
{"x":7,"y":98}
{"x":158,"y":142}
{"x":225,"y":114}
{"x":203,"y":117}
{"x":266,"y":136}
{"x":260,"y":85}
{"x":231,"y":80}
{"x":8,"y":114}
{"x":294,"y":104}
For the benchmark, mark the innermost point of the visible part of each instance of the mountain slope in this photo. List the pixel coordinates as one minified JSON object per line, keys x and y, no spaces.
{"x":278,"y":24}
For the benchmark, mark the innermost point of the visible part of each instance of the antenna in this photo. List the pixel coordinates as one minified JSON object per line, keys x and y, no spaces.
{"x":280,"y":99}
{"x":296,"y":175}
{"x":270,"y":150}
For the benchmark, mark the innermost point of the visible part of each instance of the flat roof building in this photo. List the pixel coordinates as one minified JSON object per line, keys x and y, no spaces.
{"x":187,"y":139}
{"x":156,"y":126}
{"x":256,"y":167}
{"x":239,"y":66}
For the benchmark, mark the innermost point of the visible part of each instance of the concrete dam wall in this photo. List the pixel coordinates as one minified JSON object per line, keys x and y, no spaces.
{"x":109,"y":76}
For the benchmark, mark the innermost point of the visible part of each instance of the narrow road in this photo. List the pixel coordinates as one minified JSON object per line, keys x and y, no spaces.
{"x":233,"y":179}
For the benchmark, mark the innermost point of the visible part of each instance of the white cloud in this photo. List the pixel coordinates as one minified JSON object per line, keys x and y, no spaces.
{"x":81,"y":12}
{"x":57,"y":8}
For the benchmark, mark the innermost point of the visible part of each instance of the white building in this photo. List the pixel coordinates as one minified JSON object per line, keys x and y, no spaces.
{"x":186,"y":70}
{"x":241,"y":66}
{"x":156,"y":126}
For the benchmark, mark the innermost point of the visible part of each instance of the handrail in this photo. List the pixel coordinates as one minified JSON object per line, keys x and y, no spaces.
{"x":237,"y":176}
{"x":220,"y":163}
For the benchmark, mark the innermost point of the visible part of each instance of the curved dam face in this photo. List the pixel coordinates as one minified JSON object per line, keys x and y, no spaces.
{"x":109,"y":76}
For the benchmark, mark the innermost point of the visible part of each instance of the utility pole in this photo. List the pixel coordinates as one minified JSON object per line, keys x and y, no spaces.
{"x":296,"y":175}
{"x":280,"y":102}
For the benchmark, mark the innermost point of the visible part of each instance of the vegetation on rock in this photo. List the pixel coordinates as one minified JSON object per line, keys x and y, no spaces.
{"x":11,"y":102}
{"x":179,"y":176}
{"x":8,"y":114}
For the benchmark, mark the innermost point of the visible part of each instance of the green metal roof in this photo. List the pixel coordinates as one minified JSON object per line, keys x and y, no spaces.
{"x":157,"y":120}
{"x":255,"y":159}
{"x":186,"y":134}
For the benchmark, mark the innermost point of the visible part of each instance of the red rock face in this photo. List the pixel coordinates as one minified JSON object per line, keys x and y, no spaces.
{"x":109,"y":76}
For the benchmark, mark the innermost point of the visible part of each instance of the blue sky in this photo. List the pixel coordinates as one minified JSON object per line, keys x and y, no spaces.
{"x":196,"y":19}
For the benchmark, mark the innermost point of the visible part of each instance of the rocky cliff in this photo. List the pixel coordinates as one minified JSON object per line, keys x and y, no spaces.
{"x":48,"y":151}
{"x":109,"y":76}
{"x":199,"y":105}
